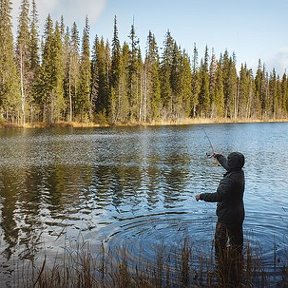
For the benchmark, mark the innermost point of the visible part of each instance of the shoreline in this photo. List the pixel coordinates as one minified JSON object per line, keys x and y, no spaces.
{"x":188,"y":121}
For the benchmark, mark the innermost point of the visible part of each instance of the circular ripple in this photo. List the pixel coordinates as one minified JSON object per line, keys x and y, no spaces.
{"x":144,"y":239}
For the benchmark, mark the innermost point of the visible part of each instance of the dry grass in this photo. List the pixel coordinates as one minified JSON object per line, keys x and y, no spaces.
{"x":102,"y":123}
{"x":183,"y":266}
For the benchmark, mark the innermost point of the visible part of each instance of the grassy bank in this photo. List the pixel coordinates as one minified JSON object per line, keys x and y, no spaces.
{"x":182,"y":266}
{"x":187,"y":121}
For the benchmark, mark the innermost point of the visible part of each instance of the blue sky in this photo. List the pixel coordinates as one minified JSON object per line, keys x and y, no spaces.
{"x":252,"y":29}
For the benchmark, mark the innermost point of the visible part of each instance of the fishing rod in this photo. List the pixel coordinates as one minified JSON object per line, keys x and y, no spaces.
{"x":211,"y":146}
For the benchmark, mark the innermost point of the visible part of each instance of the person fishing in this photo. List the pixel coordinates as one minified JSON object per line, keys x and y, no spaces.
{"x":230,"y":213}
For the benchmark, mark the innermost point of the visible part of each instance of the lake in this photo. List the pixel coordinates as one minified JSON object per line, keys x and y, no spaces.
{"x":135,"y":187}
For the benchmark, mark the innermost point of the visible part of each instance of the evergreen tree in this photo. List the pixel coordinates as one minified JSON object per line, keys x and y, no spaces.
{"x":230,"y":85}
{"x":50,"y":85}
{"x":44,"y":82}
{"x":115,"y":98}
{"x":133,"y":77}
{"x":152,"y":93}
{"x":67,"y":67}
{"x":244,"y":92}
{"x":10,"y":97}
{"x":22,"y":55}
{"x":175,"y":80}
{"x":185,"y":85}
{"x":219,"y":91}
{"x":100,"y":77}
{"x":83,"y":101}
{"x":124,"y":109}
{"x":34,"y":61}
{"x":74,"y":71}
{"x":165,"y":75}
{"x":204,"y":95}
{"x":284,"y":91}
{"x":195,"y":85}
{"x":261,"y":89}
{"x":58,"y":103}
{"x":212,"y":84}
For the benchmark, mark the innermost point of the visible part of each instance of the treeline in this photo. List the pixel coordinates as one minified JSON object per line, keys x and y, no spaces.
{"x":59,"y":77}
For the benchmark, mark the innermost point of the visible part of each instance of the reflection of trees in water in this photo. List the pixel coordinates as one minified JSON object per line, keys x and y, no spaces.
{"x":9,"y":190}
{"x":176,"y":175}
{"x":21,"y":211}
{"x":37,"y":198}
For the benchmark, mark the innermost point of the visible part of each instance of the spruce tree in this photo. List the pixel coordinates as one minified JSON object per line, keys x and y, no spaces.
{"x":212,"y":84}
{"x":133,"y":77}
{"x":219,"y":91}
{"x":124,"y":108}
{"x":284,"y":90}
{"x":74,"y":71}
{"x":152,"y":93}
{"x":115,"y":97}
{"x":100,"y":77}
{"x":165,"y":75}
{"x":230,"y":85}
{"x":175,"y":81}
{"x":34,"y":61}
{"x":45,"y":80}
{"x":185,"y":85}
{"x":83,"y":101}
{"x":22,"y":55}
{"x":58,"y":103}
{"x":204,"y":95}
{"x":10,"y":97}
{"x":195,"y":85}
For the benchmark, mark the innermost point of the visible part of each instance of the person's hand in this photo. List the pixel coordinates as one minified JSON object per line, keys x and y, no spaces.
{"x":197,"y":197}
{"x":214,"y":155}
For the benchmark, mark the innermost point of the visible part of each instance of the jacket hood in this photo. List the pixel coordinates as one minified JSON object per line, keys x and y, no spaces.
{"x":235,"y":161}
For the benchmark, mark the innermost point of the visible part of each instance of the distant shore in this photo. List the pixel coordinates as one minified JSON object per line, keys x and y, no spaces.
{"x":187,"y":121}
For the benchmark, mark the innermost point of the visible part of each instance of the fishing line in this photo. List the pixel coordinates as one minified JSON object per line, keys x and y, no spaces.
{"x":211,"y":146}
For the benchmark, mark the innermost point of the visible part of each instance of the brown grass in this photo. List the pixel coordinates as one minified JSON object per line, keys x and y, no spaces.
{"x":183,"y":266}
{"x":102,"y":123}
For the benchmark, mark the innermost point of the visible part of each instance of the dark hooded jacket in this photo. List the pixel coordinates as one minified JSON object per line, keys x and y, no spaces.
{"x":229,"y":194}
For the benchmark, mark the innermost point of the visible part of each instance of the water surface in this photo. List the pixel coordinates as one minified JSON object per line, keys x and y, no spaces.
{"x":135,"y":188}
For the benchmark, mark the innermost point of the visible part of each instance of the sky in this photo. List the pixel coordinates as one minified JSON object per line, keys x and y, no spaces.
{"x":252,"y":29}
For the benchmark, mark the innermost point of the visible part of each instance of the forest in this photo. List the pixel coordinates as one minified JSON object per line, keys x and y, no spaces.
{"x":59,"y":76}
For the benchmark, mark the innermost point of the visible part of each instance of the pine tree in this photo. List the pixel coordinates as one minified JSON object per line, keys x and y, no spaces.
{"x":115,"y":98}
{"x":165,"y":75}
{"x":100,"y":77}
{"x":152,"y":93}
{"x":219,"y":91}
{"x":83,"y":101}
{"x":58,"y":103}
{"x":124,"y":108}
{"x":244,"y":92}
{"x":195,"y":85}
{"x":22,"y":55}
{"x":284,"y":90}
{"x":44,"y":82}
{"x":212,"y":84}
{"x":204,"y":95}
{"x":185,"y":85}
{"x":10,"y":97}
{"x":34,"y":60}
{"x":230,"y":85}
{"x":67,"y":67}
{"x":74,"y":71}
{"x":51,"y":79}
{"x":261,"y":89}
{"x":134,"y":94}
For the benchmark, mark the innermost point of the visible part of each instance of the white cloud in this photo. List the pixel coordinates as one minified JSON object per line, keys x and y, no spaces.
{"x":72,"y":10}
{"x":279,"y":61}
